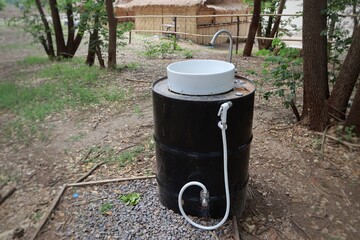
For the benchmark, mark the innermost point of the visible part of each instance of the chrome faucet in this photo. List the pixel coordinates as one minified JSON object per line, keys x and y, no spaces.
{"x":212,"y":42}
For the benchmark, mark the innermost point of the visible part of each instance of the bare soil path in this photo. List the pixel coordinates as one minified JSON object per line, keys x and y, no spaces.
{"x":295,"y":192}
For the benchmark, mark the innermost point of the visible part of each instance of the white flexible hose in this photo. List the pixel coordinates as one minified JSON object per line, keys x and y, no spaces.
{"x":222,"y":126}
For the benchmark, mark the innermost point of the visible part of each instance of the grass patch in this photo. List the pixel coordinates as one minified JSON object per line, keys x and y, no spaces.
{"x":63,"y":84}
{"x":111,"y":156}
{"x":105,"y":208}
{"x":5,"y":178}
{"x":137,"y":110}
{"x":165,"y":48}
{"x":33,"y":60}
{"x":129,"y":156}
{"x":133,"y":66}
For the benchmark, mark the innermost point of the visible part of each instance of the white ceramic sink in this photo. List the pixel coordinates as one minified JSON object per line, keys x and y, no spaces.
{"x":201,"y":77}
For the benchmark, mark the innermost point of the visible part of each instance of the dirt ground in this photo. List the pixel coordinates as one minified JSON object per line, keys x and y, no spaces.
{"x":295,"y":190}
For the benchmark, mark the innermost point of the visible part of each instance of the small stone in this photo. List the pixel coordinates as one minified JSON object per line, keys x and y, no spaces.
{"x":325,"y":231}
{"x":18,"y":232}
{"x":316,"y":227}
{"x":325,"y":165}
{"x":251,"y":228}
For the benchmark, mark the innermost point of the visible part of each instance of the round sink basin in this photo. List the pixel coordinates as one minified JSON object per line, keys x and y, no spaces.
{"x":201,"y":77}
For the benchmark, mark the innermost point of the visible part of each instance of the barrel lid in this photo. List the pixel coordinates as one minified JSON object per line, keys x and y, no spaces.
{"x":242,"y":88}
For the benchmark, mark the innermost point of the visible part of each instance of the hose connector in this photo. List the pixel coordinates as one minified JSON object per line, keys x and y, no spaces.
{"x":204,"y":198}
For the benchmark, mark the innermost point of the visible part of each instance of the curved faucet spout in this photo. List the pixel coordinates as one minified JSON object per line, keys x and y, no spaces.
{"x":212,"y":42}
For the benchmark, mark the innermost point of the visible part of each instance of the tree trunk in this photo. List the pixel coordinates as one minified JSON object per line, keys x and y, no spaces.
{"x":100,"y":58}
{"x":93,"y":38}
{"x":59,"y":36}
{"x":80,"y":33}
{"x":315,"y":63}
{"x":253,"y":27}
{"x":94,"y":41}
{"x":356,"y":20}
{"x":348,"y":75}
{"x":48,"y":43}
{"x":275,"y":28}
{"x":259,"y":34}
{"x":112,"y":34}
{"x":71,"y":28}
{"x":353,"y":118}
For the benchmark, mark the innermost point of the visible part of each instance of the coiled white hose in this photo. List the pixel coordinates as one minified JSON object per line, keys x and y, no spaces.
{"x":222,"y":125}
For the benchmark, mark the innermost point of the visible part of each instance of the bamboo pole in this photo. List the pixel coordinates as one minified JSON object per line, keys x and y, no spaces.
{"x":49,"y":211}
{"x":109,"y":181}
{"x":206,"y":16}
{"x":237,"y":34}
{"x":226,"y":15}
{"x":201,"y":35}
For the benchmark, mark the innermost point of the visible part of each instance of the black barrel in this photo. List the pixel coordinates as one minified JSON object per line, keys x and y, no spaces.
{"x":189,"y":147}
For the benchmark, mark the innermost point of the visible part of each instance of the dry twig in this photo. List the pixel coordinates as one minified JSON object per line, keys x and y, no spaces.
{"x":320,"y":189}
{"x":213,"y":233}
{"x":136,"y":80}
{"x":284,"y":128}
{"x":7,"y":195}
{"x":323,"y":142}
{"x":236,"y":229}
{"x":301,"y":228}
{"x":335,"y":117}
{"x":109,"y":181}
{"x":346,"y":197}
{"x":87,"y":155}
{"x":347,"y":144}
{"x":49,"y":211}
{"x":89,"y":172}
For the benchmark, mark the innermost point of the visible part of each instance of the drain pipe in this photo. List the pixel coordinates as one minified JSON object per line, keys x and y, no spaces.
{"x":204,"y":194}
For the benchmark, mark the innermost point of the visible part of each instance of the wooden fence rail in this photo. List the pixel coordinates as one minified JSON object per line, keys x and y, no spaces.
{"x":224,"y":15}
{"x":237,"y":37}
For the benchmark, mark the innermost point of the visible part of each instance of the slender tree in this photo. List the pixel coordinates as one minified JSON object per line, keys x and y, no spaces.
{"x":43,"y":31}
{"x":353,"y":119}
{"x":59,"y":35}
{"x":272,"y":23}
{"x":275,"y":28}
{"x":253,"y":28}
{"x":47,"y":42}
{"x":347,"y":77}
{"x":94,"y":46}
{"x":112,"y":22}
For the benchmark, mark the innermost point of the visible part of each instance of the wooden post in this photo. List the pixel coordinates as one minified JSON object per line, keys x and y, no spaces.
{"x":130,"y":37}
{"x":237,"y":34}
{"x":174,"y":22}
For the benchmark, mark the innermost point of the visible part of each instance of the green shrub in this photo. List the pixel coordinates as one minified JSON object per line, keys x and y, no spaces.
{"x":2,"y":5}
{"x":283,"y":68}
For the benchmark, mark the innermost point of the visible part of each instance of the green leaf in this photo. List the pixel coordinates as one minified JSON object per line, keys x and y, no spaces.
{"x":130,"y":199}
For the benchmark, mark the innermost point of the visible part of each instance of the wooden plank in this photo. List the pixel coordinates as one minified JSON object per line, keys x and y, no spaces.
{"x":205,"y":16}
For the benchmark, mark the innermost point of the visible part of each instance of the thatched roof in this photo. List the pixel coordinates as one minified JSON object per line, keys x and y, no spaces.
{"x":226,"y":7}
{"x":221,"y":5}
{"x":144,"y":3}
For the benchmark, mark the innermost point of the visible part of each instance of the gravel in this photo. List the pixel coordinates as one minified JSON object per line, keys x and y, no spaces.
{"x":147,"y":220}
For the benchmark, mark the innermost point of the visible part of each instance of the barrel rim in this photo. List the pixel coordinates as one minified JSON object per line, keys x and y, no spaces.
{"x":209,"y":98}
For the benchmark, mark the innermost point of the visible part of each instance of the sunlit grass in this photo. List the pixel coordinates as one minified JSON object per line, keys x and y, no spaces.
{"x":64,"y":84}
